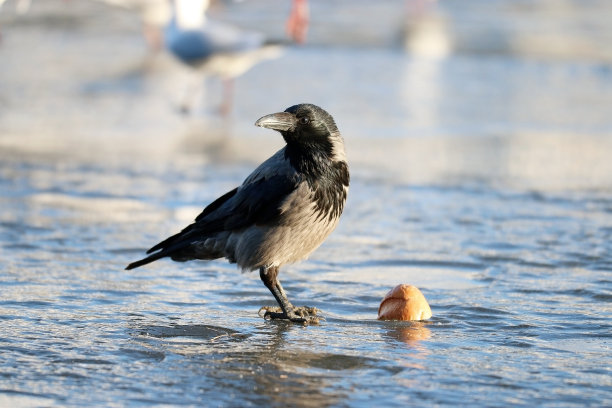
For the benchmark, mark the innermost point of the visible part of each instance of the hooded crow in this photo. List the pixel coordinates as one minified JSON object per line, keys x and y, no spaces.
{"x":281,"y":213}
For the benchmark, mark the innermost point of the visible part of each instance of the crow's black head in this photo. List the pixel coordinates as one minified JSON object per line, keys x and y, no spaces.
{"x":304,"y":125}
{"x":314,"y":145}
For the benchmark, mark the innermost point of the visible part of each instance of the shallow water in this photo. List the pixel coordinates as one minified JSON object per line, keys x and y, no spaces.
{"x":484,"y":180}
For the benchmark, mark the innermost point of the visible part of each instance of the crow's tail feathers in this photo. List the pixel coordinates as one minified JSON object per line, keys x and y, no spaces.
{"x":147,"y":260}
{"x":158,"y":255}
{"x":168,"y":247}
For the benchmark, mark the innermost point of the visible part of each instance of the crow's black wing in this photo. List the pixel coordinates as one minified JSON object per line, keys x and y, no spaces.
{"x":259,"y":202}
{"x":210,"y":208}
{"x":256,"y":203}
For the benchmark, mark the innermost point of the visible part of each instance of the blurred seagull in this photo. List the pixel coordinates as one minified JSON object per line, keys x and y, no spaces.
{"x":280,"y":214}
{"x":214,"y":48}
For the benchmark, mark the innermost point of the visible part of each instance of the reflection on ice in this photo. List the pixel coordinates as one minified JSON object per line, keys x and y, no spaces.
{"x":411,"y":333}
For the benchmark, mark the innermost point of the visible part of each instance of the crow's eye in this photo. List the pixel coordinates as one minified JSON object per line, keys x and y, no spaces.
{"x":304,"y":120}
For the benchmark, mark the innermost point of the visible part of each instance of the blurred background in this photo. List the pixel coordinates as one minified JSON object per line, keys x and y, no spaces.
{"x":479,"y":136}
{"x":527,"y":82}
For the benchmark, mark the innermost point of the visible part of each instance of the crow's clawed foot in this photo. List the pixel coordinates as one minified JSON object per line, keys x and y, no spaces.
{"x":305,"y":315}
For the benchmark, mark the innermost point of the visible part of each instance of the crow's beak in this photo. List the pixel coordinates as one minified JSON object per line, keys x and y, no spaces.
{"x":281,"y":121}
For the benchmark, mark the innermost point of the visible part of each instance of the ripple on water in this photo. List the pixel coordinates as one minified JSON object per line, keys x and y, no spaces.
{"x":204,"y":332}
{"x":12,"y":398}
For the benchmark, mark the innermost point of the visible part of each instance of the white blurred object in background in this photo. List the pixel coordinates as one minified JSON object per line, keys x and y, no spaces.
{"x":213,"y":48}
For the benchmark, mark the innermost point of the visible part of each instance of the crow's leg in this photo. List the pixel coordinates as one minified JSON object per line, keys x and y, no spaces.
{"x":269,"y":276}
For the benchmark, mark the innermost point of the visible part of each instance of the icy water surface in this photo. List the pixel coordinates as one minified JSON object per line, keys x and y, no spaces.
{"x":485,"y":180}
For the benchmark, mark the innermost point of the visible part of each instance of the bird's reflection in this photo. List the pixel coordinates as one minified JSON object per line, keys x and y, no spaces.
{"x":256,"y":361}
